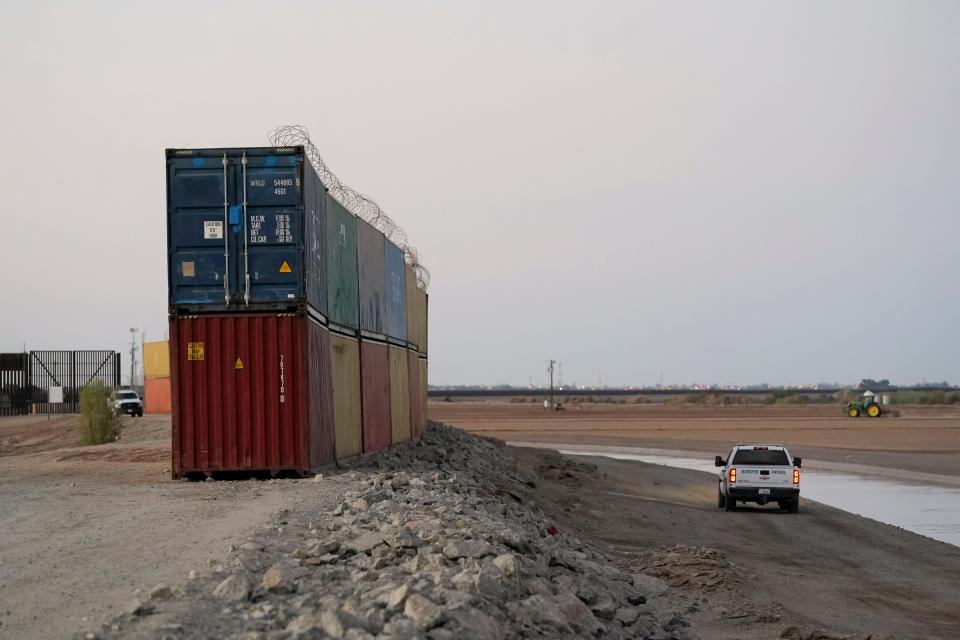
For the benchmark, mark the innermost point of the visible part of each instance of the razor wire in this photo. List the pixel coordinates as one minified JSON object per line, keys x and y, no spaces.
{"x":360,"y":205}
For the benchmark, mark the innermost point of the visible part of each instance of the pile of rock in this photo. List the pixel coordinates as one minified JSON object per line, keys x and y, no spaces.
{"x":439,"y":538}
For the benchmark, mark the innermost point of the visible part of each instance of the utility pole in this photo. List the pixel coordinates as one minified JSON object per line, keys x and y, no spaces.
{"x":133,"y":356}
{"x":552,"y":362}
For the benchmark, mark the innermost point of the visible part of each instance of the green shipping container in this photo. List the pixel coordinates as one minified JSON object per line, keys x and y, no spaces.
{"x":342,"y":277}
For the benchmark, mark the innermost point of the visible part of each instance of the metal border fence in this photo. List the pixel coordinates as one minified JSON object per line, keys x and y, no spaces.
{"x":26,"y":379}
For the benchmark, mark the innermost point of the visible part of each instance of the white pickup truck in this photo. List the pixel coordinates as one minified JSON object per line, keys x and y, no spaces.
{"x":759,"y":473}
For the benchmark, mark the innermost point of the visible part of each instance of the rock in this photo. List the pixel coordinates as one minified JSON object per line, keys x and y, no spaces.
{"x":542,"y":610}
{"x":365,"y":542}
{"x":403,"y":539}
{"x":234,"y":588}
{"x":360,"y":505}
{"x":537,"y":586}
{"x":473,"y":624}
{"x":138,"y":608}
{"x":397,"y":597}
{"x":649,"y":585}
{"x":160,"y":593}
{"x":604,"y":607}
{"x":491,"y":582}
{"x":401,"y":628}
{"x":508,"y":564}
{"x":278,"y":579}
{"x":626,"y":615}
{"x":424,"y":613}
{"x":456,"y":549}
{"x":336,"y":622}
{"x":577,"y":614}
{"x":318,"y":477}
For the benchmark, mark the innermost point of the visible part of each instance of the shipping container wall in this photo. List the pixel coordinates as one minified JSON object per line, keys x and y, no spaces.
{"x":424,"y":418}
{"x":315,"y":239}
{"x":399,"y":395}
{"x":156,"y":359}
{"x":396,"y":292}
{"x":319,"y":387}
{"x":416,"y":314}
{"x":413,"y":377}
{"x":342,"y":277}
{"x":245,"y":230}
{"x":240,"y":393}
{"x":411,"y":287}
{"x":375,"y":383}
{"x":156,"y":395}
{"x":345,"y":367}
{"x":371,"y":254}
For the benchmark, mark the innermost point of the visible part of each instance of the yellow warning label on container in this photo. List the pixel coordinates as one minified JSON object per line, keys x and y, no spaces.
{"x":194,"y":351}
{"x":285,"y":267}
{"x":238,"y":364}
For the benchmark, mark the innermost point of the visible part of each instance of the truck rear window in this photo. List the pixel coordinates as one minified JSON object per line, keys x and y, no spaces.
{"x":770,"y":457}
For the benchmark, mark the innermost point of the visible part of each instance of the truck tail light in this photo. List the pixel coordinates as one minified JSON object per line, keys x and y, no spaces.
{"x":796,"y":476}
{"x":733,"y":474}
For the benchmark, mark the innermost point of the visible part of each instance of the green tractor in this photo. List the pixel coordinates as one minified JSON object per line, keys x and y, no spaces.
{"x":869,"y":406}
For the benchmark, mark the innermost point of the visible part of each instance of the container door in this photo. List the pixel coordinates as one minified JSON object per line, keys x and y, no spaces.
{"x":273,"y":237}
{"x":235,"y":228}
{"x":201,"y":210}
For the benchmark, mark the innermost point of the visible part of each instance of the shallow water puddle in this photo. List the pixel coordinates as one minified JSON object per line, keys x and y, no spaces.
{"x":929,"y":510}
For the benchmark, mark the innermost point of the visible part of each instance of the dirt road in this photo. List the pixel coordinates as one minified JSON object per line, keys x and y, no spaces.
{"x":83,"y":528}
{"x":820,"y":569}
{"x":923,"y":439}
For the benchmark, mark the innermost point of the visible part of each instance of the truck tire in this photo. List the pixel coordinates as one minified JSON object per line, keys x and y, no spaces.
{"x":730,"y":503}
{"x":721,"y":500}
{"x":794,"y":505}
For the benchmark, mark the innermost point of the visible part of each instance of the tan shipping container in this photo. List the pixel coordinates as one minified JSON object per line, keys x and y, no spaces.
{"x":156,"y":359}
{"x":416,"y":313}
{"x":347,"y":417}
{"x":399,"y":395}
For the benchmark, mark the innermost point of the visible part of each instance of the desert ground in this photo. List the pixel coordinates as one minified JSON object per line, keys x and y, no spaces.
{"x":924,"y":441}
{"x":86,"y":531}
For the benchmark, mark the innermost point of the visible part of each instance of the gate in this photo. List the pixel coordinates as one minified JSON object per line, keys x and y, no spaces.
{"x":14,"y":383}
{"x":26,"y":378}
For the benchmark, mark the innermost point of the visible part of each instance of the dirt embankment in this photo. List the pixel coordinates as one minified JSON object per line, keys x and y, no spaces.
{"x":922,"y":439}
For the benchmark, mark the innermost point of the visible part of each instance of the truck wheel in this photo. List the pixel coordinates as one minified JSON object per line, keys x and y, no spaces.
{"x":730,"y":503}
{"x":721,"y":500}
{"x":853,"y":412}
{"x":794,"y":506}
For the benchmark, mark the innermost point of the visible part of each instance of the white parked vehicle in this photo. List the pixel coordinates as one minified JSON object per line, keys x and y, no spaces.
{"x":759,"y":473}
{"x":127,"y":401}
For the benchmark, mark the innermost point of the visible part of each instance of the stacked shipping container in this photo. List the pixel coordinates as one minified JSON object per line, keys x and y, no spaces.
{"x":156,"y":377}
{"x":298,"y":333}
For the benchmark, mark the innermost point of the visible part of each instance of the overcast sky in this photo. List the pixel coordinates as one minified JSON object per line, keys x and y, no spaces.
{"x":724,"y":192}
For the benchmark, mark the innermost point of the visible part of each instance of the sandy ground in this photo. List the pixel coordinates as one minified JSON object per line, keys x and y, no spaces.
{"x":83,"y":528}
{"x":923,"y":440}
{"x":755,"y":572}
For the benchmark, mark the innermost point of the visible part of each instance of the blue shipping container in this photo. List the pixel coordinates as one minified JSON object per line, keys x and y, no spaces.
{"x":396,"y":293}
{"x":246,"y":230}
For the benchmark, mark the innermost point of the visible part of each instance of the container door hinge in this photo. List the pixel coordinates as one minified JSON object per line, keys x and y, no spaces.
{"x":226,"y":237}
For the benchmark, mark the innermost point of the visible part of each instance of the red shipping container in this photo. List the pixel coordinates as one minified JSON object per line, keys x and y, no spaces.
{"x":251,"y":392}
{"x":416,"y":417}
{"x":375,"y":395}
